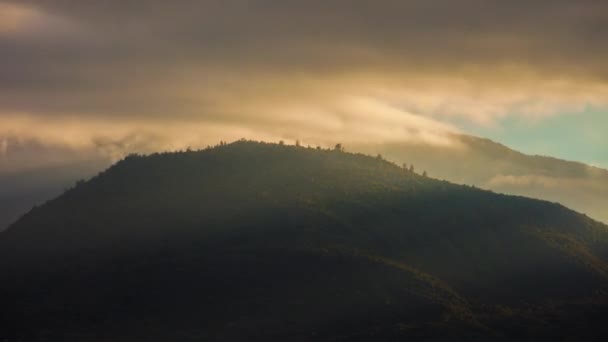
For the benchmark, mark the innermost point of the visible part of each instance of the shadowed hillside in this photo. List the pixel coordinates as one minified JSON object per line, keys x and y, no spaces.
{"x":264,"y":242}
{"x":20,"y":191}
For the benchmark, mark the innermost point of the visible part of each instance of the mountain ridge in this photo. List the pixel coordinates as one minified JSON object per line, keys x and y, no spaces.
{"x":265,"y":242}
{"x":582,"y":188}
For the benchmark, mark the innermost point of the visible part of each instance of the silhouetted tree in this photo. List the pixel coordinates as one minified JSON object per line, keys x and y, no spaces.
{"x":281,"y":142}
{"x":338,"y":147}
{"x":424,"y":174}
{"x":412,"y":168}
{"x":298,"y":143}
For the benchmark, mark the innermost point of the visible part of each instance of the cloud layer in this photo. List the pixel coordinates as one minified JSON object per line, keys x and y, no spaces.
{"x":128,"y":75}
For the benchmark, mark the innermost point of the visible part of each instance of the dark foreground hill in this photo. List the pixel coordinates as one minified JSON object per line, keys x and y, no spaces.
{"x":263,"y":242}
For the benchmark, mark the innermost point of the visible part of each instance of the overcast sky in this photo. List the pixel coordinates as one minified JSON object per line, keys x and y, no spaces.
{"x":114,"y":76}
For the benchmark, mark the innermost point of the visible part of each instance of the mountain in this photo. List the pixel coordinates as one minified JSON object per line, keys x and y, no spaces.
{"x":490,"y":165}
{"x":467,"y":160}
{"x":263,"y":242}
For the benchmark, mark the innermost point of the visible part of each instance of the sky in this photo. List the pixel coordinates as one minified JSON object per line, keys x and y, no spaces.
{"x":105,"y":78}
{"x":574,"y":136}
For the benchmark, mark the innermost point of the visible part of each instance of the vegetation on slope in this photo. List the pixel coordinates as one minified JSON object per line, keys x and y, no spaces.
{"x":255,"y":241}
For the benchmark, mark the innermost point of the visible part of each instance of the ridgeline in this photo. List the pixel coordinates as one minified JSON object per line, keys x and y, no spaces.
{"x":253,"y":241}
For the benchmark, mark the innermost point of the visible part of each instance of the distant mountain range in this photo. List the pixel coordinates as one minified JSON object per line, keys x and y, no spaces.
{"x":265,"y":242}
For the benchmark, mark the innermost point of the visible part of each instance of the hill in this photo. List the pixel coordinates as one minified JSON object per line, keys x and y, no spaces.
{"x":264,"y":242}
{"x":490,"y":165}
{"x":469,"y":160}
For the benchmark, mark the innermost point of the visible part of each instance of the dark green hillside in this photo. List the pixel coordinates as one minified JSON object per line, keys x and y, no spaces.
{"x":264,"y":242}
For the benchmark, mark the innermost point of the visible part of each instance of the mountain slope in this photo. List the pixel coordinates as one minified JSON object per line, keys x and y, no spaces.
{"x":489,"y":165}
{"x":21,"y":190}
{"x":253,"y":241}
{"x":474,"y":161}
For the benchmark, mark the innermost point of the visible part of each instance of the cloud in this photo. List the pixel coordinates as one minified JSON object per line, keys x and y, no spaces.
{"x":528,"y":181}
{"x":347,"y":120}
{"x":16,"y":18}
{"x":586,"y":193}
{"x":24,"y":21}
{"x":586,"y":189}
{"x":139,"y":75}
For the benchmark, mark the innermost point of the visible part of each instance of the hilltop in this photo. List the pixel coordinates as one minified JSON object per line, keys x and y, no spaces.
{"x":256,"y":241}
